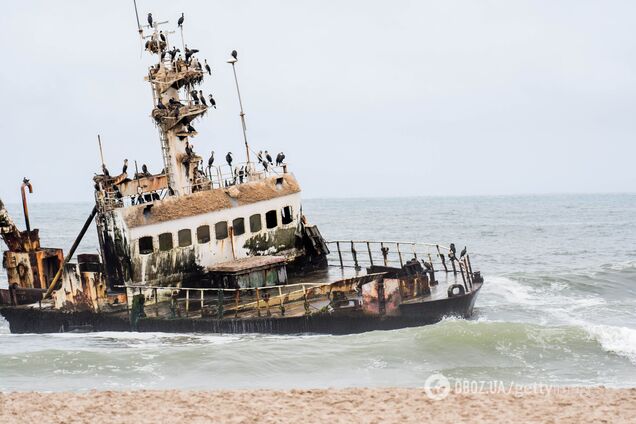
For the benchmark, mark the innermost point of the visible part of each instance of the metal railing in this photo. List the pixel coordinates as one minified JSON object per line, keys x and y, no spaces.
{"x":257,"y":299}
{"x":359,"y":254}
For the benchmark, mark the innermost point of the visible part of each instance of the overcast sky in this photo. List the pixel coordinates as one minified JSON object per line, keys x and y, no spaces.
{"x":366,"y":98}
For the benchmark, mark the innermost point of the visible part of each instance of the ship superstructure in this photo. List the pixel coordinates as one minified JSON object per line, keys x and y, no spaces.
{"x":170,"y":228}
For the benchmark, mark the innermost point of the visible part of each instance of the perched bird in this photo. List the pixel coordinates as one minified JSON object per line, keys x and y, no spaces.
{"x":260,"y":156}
{"x":173,"y":53}
{"x":427,"y":265}
{"x":228,"y":159}
{"x":189,"y":53}
{"x":265,"y":165}
{"x":269,"y":158}
{"x":125,"y":167}
{"x":462,"y":253}
{"x":202,"y":98}
{"x":452,"y":254}
{"x":235,"y":54}
{"x":195,"y":96}
{"x":160,"y":105}
{"x":105,"y":170}
{"x":144,"y":170}
{"x":280,"y":158}
{"x":188,"y":149}
{"x":150,"y":19}
{"x":180,"y":21}
{"x":207,"y":67}
{"x":163,"y":37}
{"x":211,"y":160}
{"x":212,"y":101}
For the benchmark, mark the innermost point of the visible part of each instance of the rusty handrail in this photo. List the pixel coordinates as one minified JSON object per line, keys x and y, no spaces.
{"x":358,"y":253}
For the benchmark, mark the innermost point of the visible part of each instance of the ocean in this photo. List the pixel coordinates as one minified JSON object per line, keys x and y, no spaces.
{"x":558,"y":307}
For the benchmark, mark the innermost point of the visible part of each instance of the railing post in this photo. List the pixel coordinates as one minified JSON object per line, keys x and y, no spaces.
{"x":370,"y":255}
{"x":355,"y":256}
{"x":469,"y":277}
{"x":400,"y":255}
{"x":237,"y":299}
{"x":201,"y":303}
{"x":461,"y":269}
{"x":219,"y":303}
{"x":187,"y":306}
{"x":339,"y":255}
{"x":282,"y":306}
{"x":414,"y":251}
{"x":156,"y":302}
{"x":441,"y":258}
{"x":430,"y":258}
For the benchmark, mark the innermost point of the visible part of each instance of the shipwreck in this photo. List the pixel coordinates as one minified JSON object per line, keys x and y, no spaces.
{"x":210,"y":247}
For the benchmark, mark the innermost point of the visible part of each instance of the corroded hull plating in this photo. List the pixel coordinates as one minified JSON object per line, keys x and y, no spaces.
{"x":24,"y":320}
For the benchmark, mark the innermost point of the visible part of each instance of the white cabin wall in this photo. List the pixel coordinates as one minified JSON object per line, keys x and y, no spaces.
{"x":214,"y":251}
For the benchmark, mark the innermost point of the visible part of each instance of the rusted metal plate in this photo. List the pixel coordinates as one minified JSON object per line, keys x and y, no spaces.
{"x":248,"y":263}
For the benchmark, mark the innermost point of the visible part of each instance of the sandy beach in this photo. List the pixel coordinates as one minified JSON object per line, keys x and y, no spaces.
{"x":382,"y":405}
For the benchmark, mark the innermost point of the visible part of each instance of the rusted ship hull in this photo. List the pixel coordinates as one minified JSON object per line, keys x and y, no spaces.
{"x":34,"y":320}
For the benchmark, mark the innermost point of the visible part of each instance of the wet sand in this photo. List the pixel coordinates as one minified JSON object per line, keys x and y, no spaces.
{"x":383,"y":405}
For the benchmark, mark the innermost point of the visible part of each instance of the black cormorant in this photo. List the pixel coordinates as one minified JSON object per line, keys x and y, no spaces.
{"x":202,"y":98}
{"x":150,"y":19}
{"x":195,"y":96}
{"x":207,"y":67}
{"x":462,"y":253}
{"x":163,"y":37}
{"x":235,"y":54}
{"x":228,"y":159}
{"x":105,"y":170}
{"x":280,"y":158}
{"x":144,"y":170}
{"x":125,"y":167}
{"x":212,"y":101}
{"x":260,"y":156}
{"x":181,"y":19}
{"x":269,"y":158}
{"x":211,"y":160}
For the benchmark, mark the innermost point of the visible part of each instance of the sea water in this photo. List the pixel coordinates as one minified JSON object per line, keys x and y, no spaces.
{"x":558,"y":307}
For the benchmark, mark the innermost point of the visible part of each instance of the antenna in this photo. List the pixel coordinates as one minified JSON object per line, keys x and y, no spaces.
{"x":101,"y":153}
{"x":137,"y":16}
{"x":242,"y":114}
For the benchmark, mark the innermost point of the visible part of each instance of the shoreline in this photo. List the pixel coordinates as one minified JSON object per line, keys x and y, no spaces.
{"x":366,"y":405}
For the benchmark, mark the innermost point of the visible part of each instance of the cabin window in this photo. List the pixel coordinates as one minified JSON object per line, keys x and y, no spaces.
{"x":220,"y":228}
{"x":255,"y":223}
{"x":145,"y":245}
{"x":286,"y":216}
{"x":271,"y":220}
{"x":185,"y":237}
{"x":165,"y":242}
{"x":203,"y":234}
{"x":239,"y":226}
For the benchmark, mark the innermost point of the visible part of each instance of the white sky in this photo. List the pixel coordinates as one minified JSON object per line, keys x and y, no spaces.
{"x":366,"y":98}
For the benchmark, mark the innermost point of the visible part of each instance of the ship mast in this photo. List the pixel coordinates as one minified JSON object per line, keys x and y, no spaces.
{"x":242,"y":114}
{"x":172,"y":79}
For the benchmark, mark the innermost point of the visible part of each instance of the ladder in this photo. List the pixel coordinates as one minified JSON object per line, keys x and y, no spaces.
{"x":167,"y":160}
